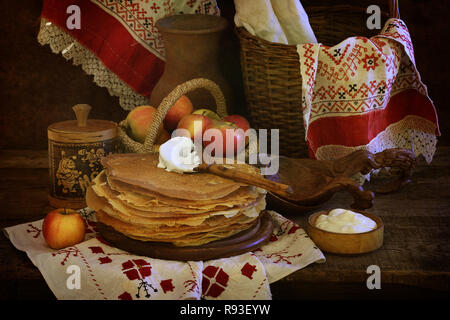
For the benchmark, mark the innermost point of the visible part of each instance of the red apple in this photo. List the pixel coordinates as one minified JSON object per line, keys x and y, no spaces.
{"x":191,"y":122}
{"x":181,"y":108}
{"x":239,"y":121}
{"x":63,"y":228}
{"x":233,"y":138}
{"x":139,"y":120}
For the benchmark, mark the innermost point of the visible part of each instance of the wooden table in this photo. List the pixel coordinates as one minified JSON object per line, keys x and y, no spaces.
{"x":414,"y":260}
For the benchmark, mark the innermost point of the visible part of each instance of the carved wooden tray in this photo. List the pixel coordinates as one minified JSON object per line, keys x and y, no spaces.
{"x":316,"y":181}
{"x":242,"y":242}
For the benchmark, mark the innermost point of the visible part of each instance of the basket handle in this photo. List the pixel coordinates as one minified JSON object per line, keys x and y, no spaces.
{"x":173,"y":96}
{"x":394,"y":11}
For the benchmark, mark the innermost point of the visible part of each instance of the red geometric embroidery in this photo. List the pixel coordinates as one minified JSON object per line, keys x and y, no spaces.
{"x":278,"y":257}
{"x":104,"y":260}
{"x":138,"y":21}
{"x":370,"y":62}
{"x":139,"y":269}
{"x":34,"y":230}
{"x":337,"y":55}
{"x":136,"y":269}
{"x":214,"y":281}
{"x":155,"y":7}
{"x":139,"y":18}
{"x":310,"y":70}
{"x":96,"y":250}
{"x":125,"y":296}
{"x":248,"y":270}
{"x":288,"y":227}
{"x":67,"y":251}
{"x":167,"y":285}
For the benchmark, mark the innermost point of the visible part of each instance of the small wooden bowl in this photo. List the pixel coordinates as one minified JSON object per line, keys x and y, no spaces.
{"x":346,"y":243}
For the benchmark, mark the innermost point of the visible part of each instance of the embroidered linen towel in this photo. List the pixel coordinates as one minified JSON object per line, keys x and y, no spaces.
{"x":366,"y":94}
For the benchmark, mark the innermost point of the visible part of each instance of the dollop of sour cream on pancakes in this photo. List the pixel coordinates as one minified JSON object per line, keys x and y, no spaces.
{"x":178,"y":154}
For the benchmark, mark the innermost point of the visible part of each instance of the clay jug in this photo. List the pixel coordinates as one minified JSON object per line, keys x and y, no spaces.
{"x":192,"y":43}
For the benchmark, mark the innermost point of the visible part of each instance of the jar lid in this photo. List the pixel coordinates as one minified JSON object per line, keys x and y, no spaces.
{"x":82,"y":130}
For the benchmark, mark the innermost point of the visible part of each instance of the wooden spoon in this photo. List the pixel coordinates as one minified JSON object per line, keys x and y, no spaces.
{"x":243,"y":173}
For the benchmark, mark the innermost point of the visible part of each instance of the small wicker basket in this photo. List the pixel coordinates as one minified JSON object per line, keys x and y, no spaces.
{"x":271,"y":72}
{"x":130,"y":145}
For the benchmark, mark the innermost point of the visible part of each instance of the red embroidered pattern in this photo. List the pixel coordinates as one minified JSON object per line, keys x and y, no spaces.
{"x":140,"y":17}
{"x":214,"y":281}
{"x":348,"y":85}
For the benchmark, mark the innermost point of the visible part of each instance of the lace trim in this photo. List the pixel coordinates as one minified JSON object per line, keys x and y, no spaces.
{"x":412,"y":133}
{"x":62,"y":43}
{"x":397,"y":135}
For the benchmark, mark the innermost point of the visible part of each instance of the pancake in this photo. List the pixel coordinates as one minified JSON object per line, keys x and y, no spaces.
{"x":141,"y":170}
{"x":143,"y":197}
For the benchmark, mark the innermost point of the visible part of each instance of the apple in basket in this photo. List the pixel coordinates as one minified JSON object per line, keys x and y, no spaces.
{"x":231,"y":136}
{"x":194,"y":126}
{"x":240,"y":122}
{"x":63,"y":228}
{"x":182,"y":107}
{"x":138,"y":122}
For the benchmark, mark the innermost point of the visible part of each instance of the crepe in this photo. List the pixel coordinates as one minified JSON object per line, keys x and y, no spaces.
{"x":142,"y":171}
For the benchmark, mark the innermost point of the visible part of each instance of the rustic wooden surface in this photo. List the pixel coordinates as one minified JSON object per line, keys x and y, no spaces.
{"x":414,"y":259}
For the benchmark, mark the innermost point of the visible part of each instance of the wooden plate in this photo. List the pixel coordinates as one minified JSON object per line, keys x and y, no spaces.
{"x":242,"y":242}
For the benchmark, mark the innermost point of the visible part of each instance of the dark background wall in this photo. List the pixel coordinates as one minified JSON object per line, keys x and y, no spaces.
{"x":38,"y":88}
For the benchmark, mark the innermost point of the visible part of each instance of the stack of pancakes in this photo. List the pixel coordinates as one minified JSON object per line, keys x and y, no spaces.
{"x":143,"y":202}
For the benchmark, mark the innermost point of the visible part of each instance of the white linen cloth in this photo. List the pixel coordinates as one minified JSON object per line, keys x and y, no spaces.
{"x":281,"y":21}
{"x":108,"y":273}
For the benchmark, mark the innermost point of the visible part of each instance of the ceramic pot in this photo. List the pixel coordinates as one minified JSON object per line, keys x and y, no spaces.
{"x":192,"y":43}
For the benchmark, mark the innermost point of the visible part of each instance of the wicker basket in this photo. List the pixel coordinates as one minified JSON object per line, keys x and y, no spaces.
{"x":271,"y":72}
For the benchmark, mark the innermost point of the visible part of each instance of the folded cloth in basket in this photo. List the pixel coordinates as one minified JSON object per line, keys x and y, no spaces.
{"x":366,"y":93}
{"x":281,"y":21}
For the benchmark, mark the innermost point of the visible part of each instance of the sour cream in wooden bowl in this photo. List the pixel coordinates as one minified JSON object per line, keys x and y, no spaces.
{"x":345,"y":231}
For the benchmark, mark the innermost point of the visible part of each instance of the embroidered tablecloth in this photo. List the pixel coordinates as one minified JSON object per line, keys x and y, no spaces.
{"x":366,"y":93}
{"x":95,"y":270}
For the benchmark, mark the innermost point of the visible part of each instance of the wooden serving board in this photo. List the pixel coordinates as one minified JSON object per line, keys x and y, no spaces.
{"x":242,"y":242}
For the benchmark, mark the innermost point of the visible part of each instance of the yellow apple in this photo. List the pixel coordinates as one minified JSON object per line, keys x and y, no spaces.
{"x":63,"y":228}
